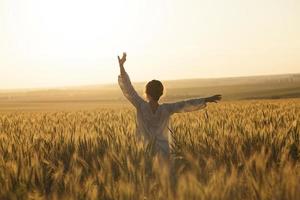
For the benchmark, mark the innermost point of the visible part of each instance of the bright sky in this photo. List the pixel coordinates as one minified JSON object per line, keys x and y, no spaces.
{"x":53,"y":43}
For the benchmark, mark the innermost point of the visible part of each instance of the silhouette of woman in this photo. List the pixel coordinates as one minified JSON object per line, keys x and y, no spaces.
{"x":152,"y":117}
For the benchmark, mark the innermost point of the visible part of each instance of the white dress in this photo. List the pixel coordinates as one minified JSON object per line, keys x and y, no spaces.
{"x":155,"y":125}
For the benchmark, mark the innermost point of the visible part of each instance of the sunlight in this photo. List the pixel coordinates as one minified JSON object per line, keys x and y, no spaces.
{"x":75,"y":42}
{"x":74,"y":30}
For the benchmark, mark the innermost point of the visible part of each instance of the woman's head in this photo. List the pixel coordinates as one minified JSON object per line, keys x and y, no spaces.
{"x":154,"y":90}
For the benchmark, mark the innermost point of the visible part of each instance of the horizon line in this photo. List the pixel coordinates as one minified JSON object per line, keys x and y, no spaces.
{"x":42,"y":88}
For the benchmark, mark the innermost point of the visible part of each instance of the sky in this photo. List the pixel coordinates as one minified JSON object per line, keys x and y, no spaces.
{"x":76,"y":42}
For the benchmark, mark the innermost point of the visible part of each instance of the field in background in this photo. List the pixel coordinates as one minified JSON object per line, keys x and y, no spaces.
{"x":233,"y":150}
{"x":78,"y":143}
{"x":94,"y":97}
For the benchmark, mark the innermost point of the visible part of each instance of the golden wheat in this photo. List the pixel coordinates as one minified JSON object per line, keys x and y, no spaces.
{"x":234,"y":150}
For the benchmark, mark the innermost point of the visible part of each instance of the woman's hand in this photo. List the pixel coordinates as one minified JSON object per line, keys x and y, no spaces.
{"x":122,"y":60}
{"x":121,"y":63}
{"x":213,"y":99}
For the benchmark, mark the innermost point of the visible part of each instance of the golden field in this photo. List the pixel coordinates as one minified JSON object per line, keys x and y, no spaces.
{"x":232,"y":150}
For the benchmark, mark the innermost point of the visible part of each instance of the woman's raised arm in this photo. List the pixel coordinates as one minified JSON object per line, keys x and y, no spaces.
{"x":126,"y":86}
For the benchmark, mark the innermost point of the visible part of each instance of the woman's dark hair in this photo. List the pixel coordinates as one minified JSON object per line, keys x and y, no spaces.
{"x":154,"y":89}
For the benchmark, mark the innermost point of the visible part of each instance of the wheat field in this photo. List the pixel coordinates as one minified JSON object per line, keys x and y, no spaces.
{"x":231,"y":150}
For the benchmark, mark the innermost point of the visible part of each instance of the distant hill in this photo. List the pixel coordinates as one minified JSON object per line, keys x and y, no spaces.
{"x":252,"y":87}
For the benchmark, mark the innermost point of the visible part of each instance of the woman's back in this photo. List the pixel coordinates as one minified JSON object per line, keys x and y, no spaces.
{"x":154,"y":125}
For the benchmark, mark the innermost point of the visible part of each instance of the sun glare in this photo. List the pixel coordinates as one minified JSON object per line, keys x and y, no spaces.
{"x":74,"y":30}
{"x":75,"y":42}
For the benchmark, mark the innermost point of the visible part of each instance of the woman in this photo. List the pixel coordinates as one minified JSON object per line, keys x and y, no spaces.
{"x":152,"y":117}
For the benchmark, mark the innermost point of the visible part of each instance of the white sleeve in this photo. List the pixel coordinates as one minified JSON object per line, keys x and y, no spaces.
{"x":128,"y":90}
{"x":186,"y":106}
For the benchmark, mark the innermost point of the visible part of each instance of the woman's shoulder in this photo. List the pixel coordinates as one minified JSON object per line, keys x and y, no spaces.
{"x":143,"y":105}
{"x":165,"y":106}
